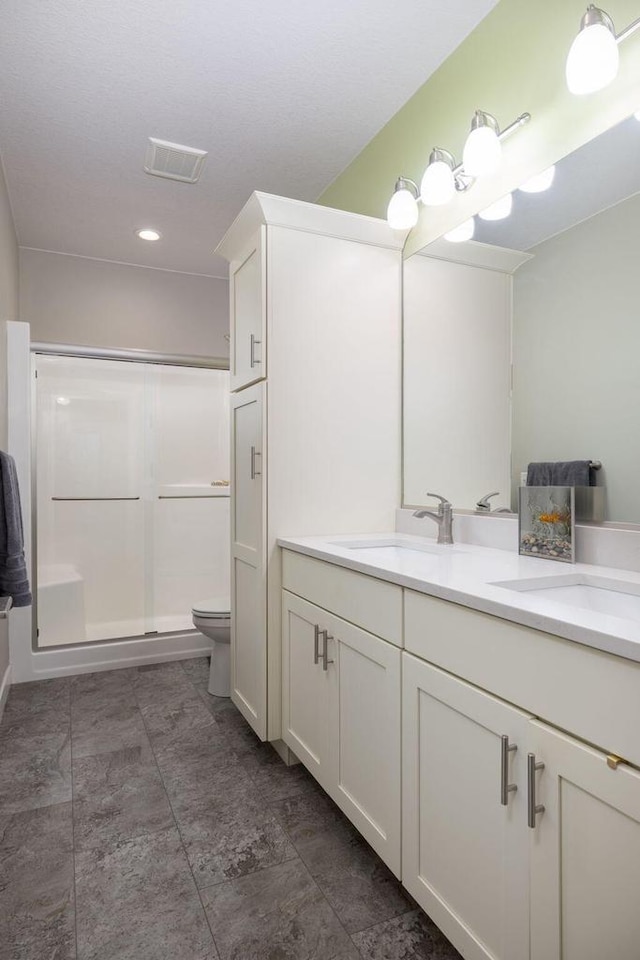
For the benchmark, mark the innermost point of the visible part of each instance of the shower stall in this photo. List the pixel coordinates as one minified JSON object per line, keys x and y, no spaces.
{"x":132,"y":494}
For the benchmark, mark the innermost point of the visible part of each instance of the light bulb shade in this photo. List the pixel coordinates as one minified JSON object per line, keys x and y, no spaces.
{"x":482,"y":152}
{"x":593,"y":58}
{"x":464,"y":232}
{"x":539,"y":183}
{"x":438,"y":185}
{"x":402,"y":212}
{"x":498,"y":210}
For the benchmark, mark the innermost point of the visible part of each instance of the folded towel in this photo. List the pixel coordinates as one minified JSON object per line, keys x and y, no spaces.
{"x":562,"y":473}
{"x":14,"y":581}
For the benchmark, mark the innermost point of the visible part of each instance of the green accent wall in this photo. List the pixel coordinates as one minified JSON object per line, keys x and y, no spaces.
{"x":513,"y":62}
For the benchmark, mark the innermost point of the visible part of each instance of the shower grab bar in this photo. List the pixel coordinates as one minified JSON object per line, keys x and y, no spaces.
{"x":190,"y":496}
{"x":92,"y":499}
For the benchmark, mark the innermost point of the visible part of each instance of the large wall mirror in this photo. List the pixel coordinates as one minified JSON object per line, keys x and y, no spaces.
{"x":567,"y":262}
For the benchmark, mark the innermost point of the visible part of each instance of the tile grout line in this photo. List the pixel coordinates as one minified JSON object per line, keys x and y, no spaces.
{"x":175,"y":819}
{"x":73,"y":825}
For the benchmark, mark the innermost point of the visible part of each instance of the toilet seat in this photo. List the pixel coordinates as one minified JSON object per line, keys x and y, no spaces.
{"x":213,"y":609}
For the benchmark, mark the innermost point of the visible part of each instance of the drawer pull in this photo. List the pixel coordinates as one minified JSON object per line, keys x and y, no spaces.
{"x":316,"y":643}
{"x":505,"y":787}
{"x":533,"y":808}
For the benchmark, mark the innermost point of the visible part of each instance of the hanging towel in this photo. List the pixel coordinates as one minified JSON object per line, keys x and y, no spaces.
{"x":562,"y":473}
{"x":14,"y":581}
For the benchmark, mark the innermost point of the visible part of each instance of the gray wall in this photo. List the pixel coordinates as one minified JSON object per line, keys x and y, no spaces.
{"x":98,"y":303}
{"x":577,"y":353}
{"x":8,"y":311}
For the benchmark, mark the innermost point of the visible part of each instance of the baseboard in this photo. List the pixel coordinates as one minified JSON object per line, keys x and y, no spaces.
{"x":113,"y":655}
{"x":4,"y":689}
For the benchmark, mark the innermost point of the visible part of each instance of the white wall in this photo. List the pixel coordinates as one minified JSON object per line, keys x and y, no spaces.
{"x":78,"y":300}
{"x":576,"y":343}
{"x":8,"y":311}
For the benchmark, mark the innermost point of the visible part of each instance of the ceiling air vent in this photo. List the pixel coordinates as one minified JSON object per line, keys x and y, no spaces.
{"x":173,"y":161}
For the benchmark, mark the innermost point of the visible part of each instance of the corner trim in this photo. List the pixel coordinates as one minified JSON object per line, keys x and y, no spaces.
{"x":4,"y":689}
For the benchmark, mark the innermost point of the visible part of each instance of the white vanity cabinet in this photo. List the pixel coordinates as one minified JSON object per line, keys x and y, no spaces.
{"x":585,"y":852}
{"x":316,"y":340}
{"x":464,"y":841}
{"x":554,"y":874}
{"x":341,"y":710}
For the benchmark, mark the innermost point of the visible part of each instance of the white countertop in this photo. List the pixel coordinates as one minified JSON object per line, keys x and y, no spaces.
{"x":464,"y":574}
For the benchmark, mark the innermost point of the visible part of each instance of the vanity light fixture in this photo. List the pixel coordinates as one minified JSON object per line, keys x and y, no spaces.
{"x":402,"y":212}
{"x":539,"y":183}
{"x":462,"y":233}
{"x":438,"y":183}
{"x":147,"y":233}
{"x":592,"y":63}
{"x":443,"y":178}
{"x":498,"y":210}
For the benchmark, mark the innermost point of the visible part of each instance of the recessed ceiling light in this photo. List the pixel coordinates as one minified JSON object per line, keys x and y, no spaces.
{"x":146,"y":233}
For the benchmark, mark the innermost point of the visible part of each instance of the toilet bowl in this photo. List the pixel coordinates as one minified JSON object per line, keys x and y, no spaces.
{"x":213,"y":619}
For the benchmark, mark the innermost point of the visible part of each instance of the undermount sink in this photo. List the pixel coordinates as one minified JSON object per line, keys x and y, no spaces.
{"x":396,"y":544}
{"x":616,"y":598}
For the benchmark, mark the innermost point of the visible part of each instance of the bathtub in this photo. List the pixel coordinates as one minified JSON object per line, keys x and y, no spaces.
{"x":61,"y":617}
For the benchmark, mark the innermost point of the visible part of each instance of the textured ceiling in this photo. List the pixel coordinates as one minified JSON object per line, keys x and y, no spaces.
{"x":282,"y":93}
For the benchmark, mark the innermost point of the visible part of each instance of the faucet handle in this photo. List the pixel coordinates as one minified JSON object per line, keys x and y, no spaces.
{"x":443,"y":501}
{"x":483,"y":503}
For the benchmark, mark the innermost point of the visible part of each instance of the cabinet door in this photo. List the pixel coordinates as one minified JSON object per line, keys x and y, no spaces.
{"x":585,"y":853}
{"x":248,"y":567}
{"x":464,"y":853}
{"x":306,"y":688}
{"x":247,"y":302}
{"x":365,"y":736}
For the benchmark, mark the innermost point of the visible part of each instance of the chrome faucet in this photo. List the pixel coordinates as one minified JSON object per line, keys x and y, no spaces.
{"x":444,"y":518}
{"x":483,"y":505}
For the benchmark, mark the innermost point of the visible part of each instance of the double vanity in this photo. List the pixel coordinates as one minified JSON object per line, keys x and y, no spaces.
{"x":476,"y":715}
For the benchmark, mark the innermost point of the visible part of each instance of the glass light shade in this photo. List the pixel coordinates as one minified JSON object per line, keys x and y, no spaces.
{"x":539,"y":183}
{"x":464,"y":232}
{"x":637,"y":115}
{"x":593,"y":60}
{"x":498,"y":210}
{"x":438,"y":185}
{"x":482,"y":152}
{"x":402,"y":212}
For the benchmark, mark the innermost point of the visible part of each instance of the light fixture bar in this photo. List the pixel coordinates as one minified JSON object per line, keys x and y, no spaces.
{"x":628,"y":31}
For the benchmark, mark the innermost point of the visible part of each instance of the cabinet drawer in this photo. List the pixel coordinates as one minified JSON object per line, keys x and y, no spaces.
{"x":593,"y":694}
{"x":372,"y":604}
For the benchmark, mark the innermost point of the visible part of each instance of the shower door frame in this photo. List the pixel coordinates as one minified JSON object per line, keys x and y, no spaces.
{"x":90,"y":353}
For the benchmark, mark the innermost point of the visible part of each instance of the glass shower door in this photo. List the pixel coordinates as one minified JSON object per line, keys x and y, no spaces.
{"x":91,"y":453}
{"x":191,"y":478}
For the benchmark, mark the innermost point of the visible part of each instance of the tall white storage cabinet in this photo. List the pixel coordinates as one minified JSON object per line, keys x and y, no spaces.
{"x":316,"y":374}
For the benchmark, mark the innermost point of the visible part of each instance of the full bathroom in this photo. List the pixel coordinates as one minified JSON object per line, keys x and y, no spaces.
{"x":319,"y":543}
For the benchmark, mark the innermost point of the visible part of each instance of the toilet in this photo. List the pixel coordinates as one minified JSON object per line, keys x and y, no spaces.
{"x":212,"y":617}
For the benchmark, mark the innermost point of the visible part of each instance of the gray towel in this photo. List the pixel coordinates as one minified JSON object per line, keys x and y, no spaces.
{"x":562,"y":473}
{"x":14,"y":581}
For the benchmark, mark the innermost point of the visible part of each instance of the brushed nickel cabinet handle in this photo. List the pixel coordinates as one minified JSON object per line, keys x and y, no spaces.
{"x":316,"y":643}
{"x":325,"y":649}
{"x":254,"y":454}
{"x":533,"y":808}
{"x":505,"y":787}
{"x":92,"y":499}
{"x":254,"y":343}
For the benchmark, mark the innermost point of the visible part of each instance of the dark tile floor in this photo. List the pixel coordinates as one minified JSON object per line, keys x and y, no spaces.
{"x":141,"y":819}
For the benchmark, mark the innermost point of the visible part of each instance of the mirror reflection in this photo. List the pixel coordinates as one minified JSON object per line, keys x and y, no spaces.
{"x":555,"y":286}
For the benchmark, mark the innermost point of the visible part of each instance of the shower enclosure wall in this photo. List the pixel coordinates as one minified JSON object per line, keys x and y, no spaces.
{"x":132,"y":473}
